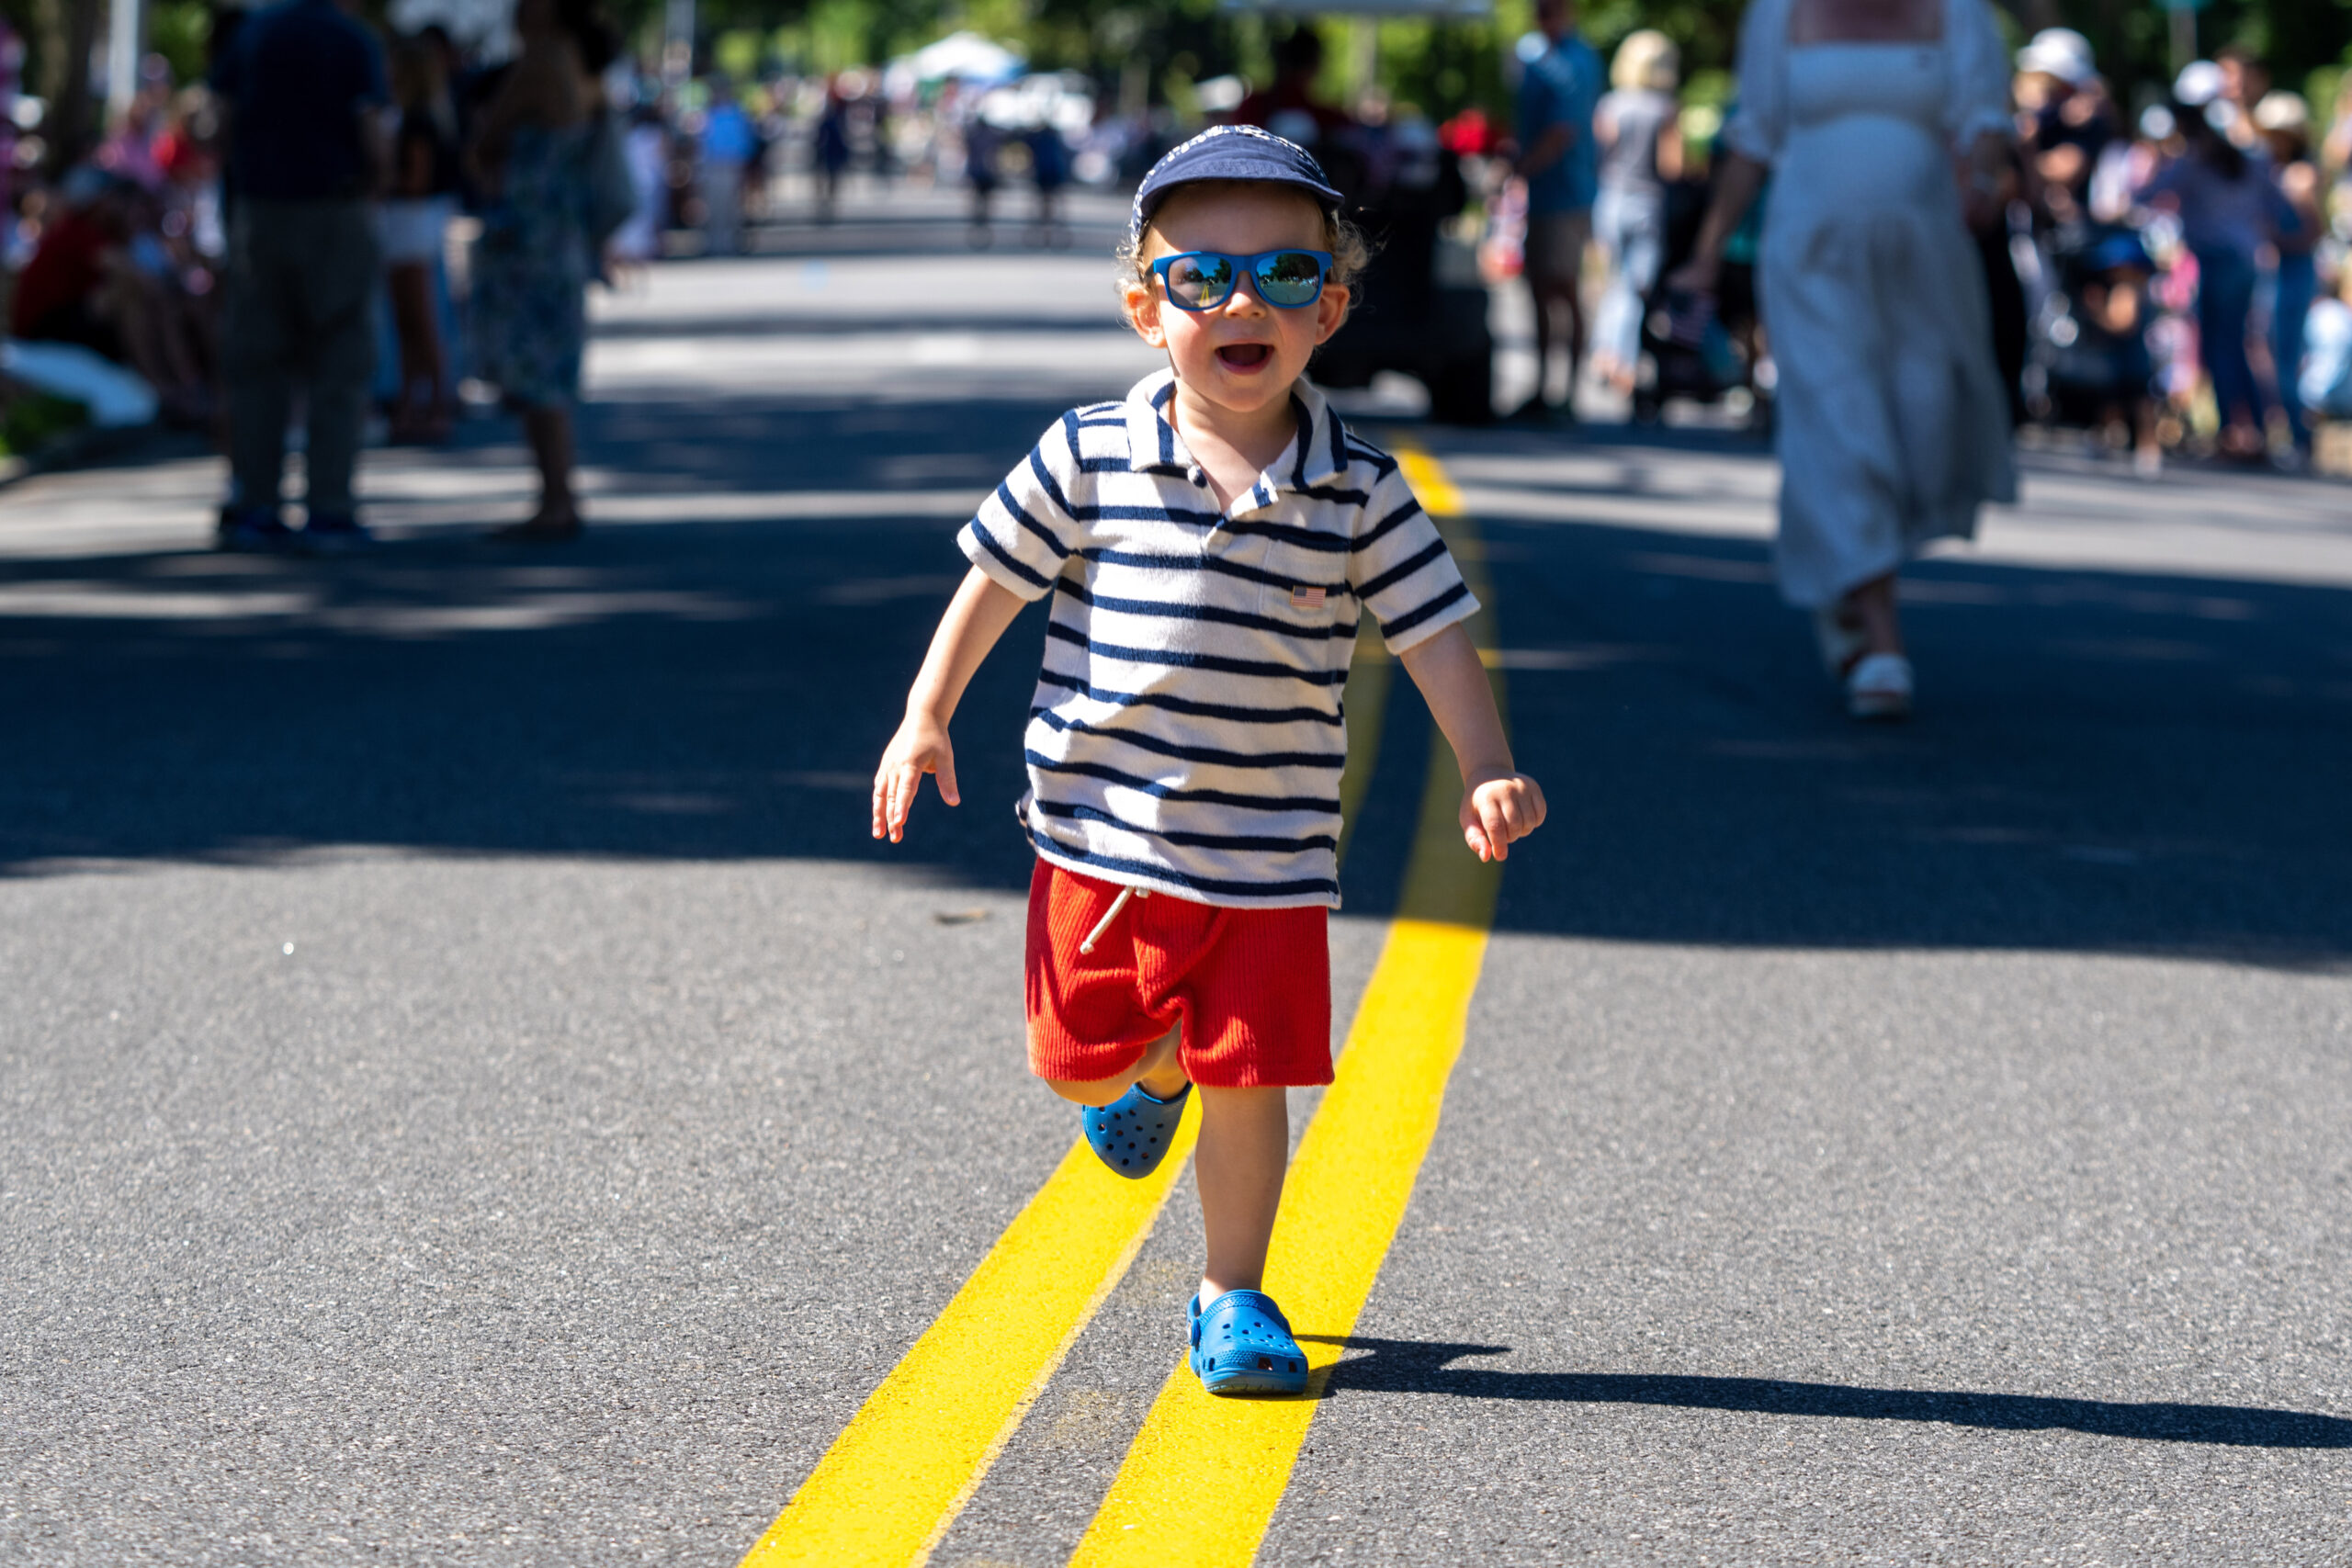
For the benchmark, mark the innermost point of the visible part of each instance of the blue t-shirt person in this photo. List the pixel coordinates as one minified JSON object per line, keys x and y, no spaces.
{"x":297,"y":78}
{"x":1562,"y":85}
{"x":728,"y":136}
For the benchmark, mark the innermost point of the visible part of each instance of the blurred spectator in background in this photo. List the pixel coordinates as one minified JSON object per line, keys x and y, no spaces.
{"x":532,"y":265}
{"x":2326,"y":383}
{"x":304,"y":83}
{"x":130,"y":149}
{"x":830,"y":149}
{"x":100,"y":278}
{"x":12,"y":81}
{"x":2284,"y":120}
{"x":2243,"y":81}
{"x":730,"y":144}
{"x":1049,"y":167}
{"x":2336,"y":151}
{"x":647,"y":148}
{"x":2231,"y":211}
{"x":1559,"y":162}
{"x":2097,"y":369}
{"x":2066,"y":118}
{"x":1892,"y":429}
{"x":983,"y":140}
{"x":1637,"y":128}
{"x":1988,"y":224}
{"x":1287,"y":105}
{"x":422,"y":201}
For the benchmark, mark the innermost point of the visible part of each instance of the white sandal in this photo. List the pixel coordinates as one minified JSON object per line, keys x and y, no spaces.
{"x":1880,"y":687}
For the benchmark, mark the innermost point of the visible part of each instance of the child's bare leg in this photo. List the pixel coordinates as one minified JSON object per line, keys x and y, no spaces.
{"x":1158,"y":1069}
{"x":1245,"y":1146}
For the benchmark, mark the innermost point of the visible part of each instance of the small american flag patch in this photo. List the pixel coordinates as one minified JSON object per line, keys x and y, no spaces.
{"x":1306,"y":598}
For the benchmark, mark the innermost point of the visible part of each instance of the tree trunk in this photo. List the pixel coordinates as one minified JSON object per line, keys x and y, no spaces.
{"x":70,"y":127}
{"x":45,"y":49}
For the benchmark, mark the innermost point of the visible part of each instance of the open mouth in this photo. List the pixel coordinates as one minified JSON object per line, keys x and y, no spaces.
{"x":1244,"y":356}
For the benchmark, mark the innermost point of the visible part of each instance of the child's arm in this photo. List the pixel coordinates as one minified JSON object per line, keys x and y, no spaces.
{"x":1498,"y":802}
{"x":976,"y":618}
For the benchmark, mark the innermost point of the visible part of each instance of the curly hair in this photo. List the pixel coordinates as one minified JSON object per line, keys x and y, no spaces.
{"x":1351,"y":252}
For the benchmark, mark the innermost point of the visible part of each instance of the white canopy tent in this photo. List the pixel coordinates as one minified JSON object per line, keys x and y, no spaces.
{"x":959,"y":57}
{"x":484,"y":25}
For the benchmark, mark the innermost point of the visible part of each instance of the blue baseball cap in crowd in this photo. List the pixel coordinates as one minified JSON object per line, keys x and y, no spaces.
{"x":1232,"y":153}
{"x":2121,"y":252}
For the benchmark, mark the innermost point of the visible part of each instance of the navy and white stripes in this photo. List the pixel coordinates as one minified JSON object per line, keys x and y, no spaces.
{"x":1186,"y":735}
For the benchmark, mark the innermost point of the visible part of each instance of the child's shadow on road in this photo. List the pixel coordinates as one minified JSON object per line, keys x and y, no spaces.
{"x":1412,"y":1366}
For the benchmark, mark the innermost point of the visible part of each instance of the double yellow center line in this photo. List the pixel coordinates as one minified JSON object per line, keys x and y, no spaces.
{"x":890,"y":1486}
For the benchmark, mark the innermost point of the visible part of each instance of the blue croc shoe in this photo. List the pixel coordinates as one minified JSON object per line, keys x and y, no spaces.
{"x":1131,"y":1135}
{"x":1242,"y":1344}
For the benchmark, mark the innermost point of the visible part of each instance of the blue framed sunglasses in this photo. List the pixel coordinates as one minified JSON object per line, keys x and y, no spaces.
{"x":1201,"y":280}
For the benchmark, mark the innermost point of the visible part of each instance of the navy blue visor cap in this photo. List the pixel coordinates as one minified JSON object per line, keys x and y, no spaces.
{"x":1232,"y":153}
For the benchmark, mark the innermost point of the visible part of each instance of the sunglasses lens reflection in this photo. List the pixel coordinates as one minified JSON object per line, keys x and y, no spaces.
{"x":1289,"y":277}
{"x":1205,"y":279}
{"x":1200,"y":281}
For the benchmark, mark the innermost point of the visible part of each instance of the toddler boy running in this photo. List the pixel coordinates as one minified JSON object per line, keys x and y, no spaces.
{"x":1209,"y":544}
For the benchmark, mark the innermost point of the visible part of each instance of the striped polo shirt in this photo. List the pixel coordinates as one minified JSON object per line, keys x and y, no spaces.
{"x":1187,"y":733}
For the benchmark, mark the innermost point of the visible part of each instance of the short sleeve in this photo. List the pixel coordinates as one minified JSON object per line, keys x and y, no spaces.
{"x":1026,"y":532}
{"x":1978,"y":96}
{"x":1539,"y":105}
{"x":1759,"y":122}
{"x":1401,"y":571}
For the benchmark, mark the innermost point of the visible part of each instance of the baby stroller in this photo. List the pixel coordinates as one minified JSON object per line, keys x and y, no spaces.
{"x":2088,"y":362}
{"x":1689,"y":349}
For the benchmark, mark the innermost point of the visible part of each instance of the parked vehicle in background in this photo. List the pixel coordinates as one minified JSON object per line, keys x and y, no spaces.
{"x":1421,"y":307}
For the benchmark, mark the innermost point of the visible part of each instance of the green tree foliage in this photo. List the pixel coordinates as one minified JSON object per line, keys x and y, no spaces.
{"x":1441,"y":65}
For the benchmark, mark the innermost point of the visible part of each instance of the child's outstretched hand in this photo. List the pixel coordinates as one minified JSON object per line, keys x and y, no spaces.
{"x":1497,"y":809}
{"x":920,"y":747}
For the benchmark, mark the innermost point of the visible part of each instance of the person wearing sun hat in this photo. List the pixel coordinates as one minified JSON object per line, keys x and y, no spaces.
{"x":2283,"y":121}
{"x":2069,"y":118}
{"x":1208,"y":546}
{"x":2061,"y":54}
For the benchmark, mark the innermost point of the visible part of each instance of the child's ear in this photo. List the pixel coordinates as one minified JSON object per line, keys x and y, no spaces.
{"x":1331,"y":310}
{"x":1140,"y":303}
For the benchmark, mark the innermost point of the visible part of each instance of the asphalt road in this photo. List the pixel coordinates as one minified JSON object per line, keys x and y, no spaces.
{"x":470,"y":1093}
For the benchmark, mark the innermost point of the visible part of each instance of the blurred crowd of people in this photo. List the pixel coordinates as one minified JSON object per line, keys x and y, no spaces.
{"x":2168,"y":263}
{"x":2169,"y":275}
{"x":1900,"y":245}
{"x":2172,"y":279}
{"x":124,"y":252}
{"x":120,"y":254}
{"x":481,"y":197}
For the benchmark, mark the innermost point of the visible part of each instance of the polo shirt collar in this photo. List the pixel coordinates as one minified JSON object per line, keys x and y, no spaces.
{"x":1318,"y":452}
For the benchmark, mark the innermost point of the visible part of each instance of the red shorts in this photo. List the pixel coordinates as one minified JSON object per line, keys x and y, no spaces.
{"x":1252,"y":987}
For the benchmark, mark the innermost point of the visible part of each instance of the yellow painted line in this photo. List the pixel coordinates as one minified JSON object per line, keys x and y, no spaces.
{"x":894,"y":1481}
{"x":896,"y":1478}
{"x":1201,"y":1482}
{"x":1432,"y":487}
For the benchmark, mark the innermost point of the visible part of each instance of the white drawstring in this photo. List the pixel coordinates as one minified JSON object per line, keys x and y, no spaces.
{"x":1105,"y":923}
